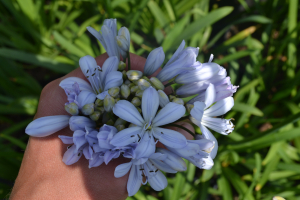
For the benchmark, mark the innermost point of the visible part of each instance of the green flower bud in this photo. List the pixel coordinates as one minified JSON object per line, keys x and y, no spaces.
{"x":132,"y":125}
{"x":88,"y":109}
{"x":120,"y":122}
{"x":139,"y":109}
{"x":114,"y":91}
{"x":157,"y":84}
{"x":124,"y":75}
{"x":121,"y":66}
{"x":131,"y":85}
{"x":99,"y":102}
{"x":136,"y":101}
{"x":178,"y":101}
{"x":110,"y":122}
{"x":134,"y":75}
{"x":95,"y":115}
{"x":189,"y":107}
{"x":146,"y":78}
{"x":117,"y":99}
{"x":171,"y":97}
{"x":127,"y":82}
{"x":100,"y":109}
{"x":120,"y":127}
{"x":109,"y":103}
{"x":72,"y":108}
{"x":143,"y":84}
{"x":133,"y":89}
{"x":125,"y":91}
{"x":139,"y":93}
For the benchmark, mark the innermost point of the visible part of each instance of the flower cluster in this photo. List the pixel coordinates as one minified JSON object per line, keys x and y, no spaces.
{"x":124,"y":113}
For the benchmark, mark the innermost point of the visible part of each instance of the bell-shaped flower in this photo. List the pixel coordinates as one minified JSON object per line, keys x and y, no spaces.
{"x":44,"y":126}
{"x":107,"y":36}
{"x":154,"y":61}
{"x":203,"y":115}
{"x":148,"y":125}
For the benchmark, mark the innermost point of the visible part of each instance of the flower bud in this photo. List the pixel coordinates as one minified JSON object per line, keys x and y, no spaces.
{"x":157,"y":84}
{"x":114,"y":91}
{"x":134,"y":75}
{"x":98,"y":103}
{"x":72,"y":108}
{"x":146,"y":78}
{"x":189,"y":107}
{"x":120,"y":127}
{"x":117,"y":99}
{"x":136,"y":101}
{"x":134,"y":88}
{"x":131,"y":85}
{"x":132,"y":125}
{"x":100,"y":109}
{"x":139,"y":93}
{"x":125,"y":91}
{"x":163,"y":98}
{"x":87,"y":109}
{"x":124,"y":75}
{"x":171,"y":97}
{"x":109,"y":103}
{"x":178,"y":101}
{"x":121,"y":66}
{"x":95,"y":115}
{"x":110,"y":122}
{"x":120,"y":121}
{"x":123,"y":39}
{"x":143,"y":84}
{"x":154,"y":61}
{"x":139,"y":109}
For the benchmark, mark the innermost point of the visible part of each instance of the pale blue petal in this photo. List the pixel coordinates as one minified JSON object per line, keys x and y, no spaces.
{"x":80,"y":123}
{"x":203,"y":143}
{"x":128,"y":112}
{"x":189,"y":150}
{"x":85,"y":97}
{"x":177,"y":52}
{"x":198,"y":110}
{"x":79,"y":139}
{"x":88,"y":152}
{"x":220,"y":108}
{"x":158,"y":182}
{"x":163,"y":98}
{"x":158,"y":156}
{"x":192,"y":88}
{"x":96,"y":160}
{"x":170,"y":113}
{"x":210,"y":95}
{"x":208,"y":163}
{"x":208,"y":135}
{"x":66,"y":139}
{"x":68,"y":83}
{"x":71,"y":156}
{"x":45,"y":126}
{"x":134,"y":182}
{"x":163,"y":166}
{"x":146,"y":147}
{"x":122,"y":169}
{"x":102,"y":95}
{"x":154,"y":61}
{"x":109,"y":155}
{"x":97,"y":35}
{"x":150,"y":103}
{"x":109,"y":38}
{"x":170,"y":137}
{"x":110,"y":65}
{"x":173,"y":160}
{"x":126,"y":136}
{"x":113,"y":79}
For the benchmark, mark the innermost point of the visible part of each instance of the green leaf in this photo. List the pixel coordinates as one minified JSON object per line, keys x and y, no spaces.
{"x":13,"y":140}
{"x":245,"y":108}
{"x":158,"y":13}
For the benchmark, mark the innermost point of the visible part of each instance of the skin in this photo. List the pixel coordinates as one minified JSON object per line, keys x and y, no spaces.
{"x":43,"y":175}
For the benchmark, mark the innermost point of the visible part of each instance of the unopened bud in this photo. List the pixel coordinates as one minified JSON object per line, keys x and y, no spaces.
{"x":146,"y":78}
{"x":157,"y":84}
{"x":139,"y":93}
{"x":110,"y":122}
{"x":120,"y":122}
{"x":125,"y":91}
{"x":117,"y":99}
{"x":131,"y":85}
{"x":134,"y":75}
{"x":109,"y":103}
{"x":133,"y":89}
{"x":189,"y":107}
{"x":95,"y":115}
{"x":171,"y":97}
{"x":154,"y":61}
{"x":163,"y":98}
{"x":100,"y":109}
{"x":99,"y":102}
{"x":143,"y":84}
{"x":136,"y":101}
{"x":123,"y":39}
{"x":72,"y":108}
{"x":120,"y":127}
{"x":139,"y":109}
{"x":114,"y":91}
{"x":124,"y":75}
{"x":178,"y":101}
{"x":88,"y":109}
{"x":121,"y":66}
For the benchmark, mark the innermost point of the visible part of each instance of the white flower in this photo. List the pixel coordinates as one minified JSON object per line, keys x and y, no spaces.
{"x":204,"y":116}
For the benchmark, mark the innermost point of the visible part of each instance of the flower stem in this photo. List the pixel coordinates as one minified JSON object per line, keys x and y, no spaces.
{"x":128,"y":60}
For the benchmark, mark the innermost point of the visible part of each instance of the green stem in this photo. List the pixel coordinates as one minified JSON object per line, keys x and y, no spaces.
{"x":128,"y":60}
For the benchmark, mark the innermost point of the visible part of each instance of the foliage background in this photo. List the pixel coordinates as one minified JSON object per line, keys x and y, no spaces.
{"x":256,"y":41}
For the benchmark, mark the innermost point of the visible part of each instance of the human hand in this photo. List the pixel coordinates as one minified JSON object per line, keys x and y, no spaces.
{"x":43,"y":175}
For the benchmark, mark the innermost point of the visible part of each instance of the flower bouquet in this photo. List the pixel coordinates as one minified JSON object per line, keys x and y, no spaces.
{"x":118,"y":113}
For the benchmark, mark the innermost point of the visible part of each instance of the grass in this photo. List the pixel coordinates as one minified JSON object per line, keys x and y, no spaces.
{"x":256,"y":42}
